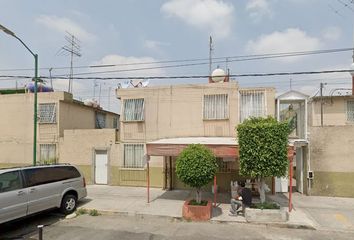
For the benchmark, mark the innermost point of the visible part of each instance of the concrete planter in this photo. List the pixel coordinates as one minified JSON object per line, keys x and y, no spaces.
{"x":266,"y":215}
{"x":196,"y":213}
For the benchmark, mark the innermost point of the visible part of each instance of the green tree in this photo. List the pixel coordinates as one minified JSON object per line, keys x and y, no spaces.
{"x":263,"y":150}
{"x":196,"y":166}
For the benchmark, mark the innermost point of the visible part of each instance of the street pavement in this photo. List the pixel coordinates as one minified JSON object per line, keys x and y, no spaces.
{"x":308,"y":211}
{"x":107,"y":227}
{"x":126,"y":213}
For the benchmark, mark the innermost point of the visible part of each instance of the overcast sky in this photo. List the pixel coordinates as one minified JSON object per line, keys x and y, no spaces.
{"x":134,"y":31}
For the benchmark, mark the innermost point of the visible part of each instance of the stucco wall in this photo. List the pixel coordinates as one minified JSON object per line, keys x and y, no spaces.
{"x":334,"y":111}
{"x":177,"y":111}
{"x":77,"y":145}
{"x":16,"y":126}
{"x":332,"y":160}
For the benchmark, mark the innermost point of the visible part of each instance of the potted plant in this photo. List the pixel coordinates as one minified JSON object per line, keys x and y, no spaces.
{"x":196,"y":166}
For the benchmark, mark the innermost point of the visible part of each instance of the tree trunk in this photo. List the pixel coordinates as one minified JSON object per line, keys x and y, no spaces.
{"x":262,"y":188}
{"x":198,"y":196}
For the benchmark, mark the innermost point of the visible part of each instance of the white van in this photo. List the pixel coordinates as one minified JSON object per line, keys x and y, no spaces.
{"x":28,"y":190}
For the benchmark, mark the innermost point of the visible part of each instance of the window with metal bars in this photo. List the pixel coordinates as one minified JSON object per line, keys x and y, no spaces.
{"x":47,"y":153}
{"x":215,"y":107}
{"x":133,"y":155}
{"x":252,"y":104}
{"x":134,"y":109}
{"x":100,"y":120}
{"x":115,"y":122}
{"x":350,"y":111}
{"x":224,"y":166}
{"x":47,"y":113}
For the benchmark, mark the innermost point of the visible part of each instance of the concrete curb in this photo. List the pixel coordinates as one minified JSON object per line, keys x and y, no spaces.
{"x":181,"y":219}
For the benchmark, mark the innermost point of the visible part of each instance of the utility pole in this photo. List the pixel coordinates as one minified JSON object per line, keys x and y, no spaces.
{"x":9,"y":32}
{"x":321,"y":94}
{"x":210,"y":53}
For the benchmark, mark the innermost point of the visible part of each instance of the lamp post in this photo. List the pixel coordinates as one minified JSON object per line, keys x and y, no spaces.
{"x":9,"y":32}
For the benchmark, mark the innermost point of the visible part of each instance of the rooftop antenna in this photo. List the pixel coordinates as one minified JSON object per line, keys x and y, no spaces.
{"x":73,"y":49}
{"x":50,"y":76}
{"x":210,"y":53}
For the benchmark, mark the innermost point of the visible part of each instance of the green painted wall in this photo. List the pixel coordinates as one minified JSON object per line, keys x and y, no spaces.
{"x":335,"y":184}
{"x":86,"y":170}
{"x":9,"y":165}
{"x":127,"y":177}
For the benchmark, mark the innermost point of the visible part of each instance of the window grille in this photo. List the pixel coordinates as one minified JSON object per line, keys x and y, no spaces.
{"x":47,"y":153}
{"x":100,"y":120}
{"x":115,"y":122}
{"x":216,"y":106}
{"x":133,"y":155}
{"x":252,"y":104}
{"x":224,"y":167}
{"x":47,"y":113}
{"x":134,"y":109}
{"x":350,"y":111}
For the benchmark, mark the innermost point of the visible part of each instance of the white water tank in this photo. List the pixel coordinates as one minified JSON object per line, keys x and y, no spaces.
{"x":218,"y":75}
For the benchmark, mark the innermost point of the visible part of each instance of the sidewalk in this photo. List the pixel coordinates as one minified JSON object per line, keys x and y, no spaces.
{"x":132,"y":201}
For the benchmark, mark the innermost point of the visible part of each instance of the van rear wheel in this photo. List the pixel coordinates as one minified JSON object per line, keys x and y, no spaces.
{"x":68,"y":204}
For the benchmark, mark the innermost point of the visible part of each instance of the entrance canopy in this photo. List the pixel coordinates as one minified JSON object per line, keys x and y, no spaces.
{"x":220,"y":146}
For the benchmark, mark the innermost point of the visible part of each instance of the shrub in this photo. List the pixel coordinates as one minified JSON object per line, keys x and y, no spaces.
{"x":94,"y":212}
{"x":81,"y":211}
{"x":263,"y":149}
{"x":196,"y":166}
{"x":265,"y":205}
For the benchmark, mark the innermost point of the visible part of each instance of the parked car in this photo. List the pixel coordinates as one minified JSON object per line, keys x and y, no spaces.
{"x":28,"y":190}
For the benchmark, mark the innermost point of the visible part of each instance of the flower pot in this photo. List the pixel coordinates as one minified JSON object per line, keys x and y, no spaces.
{"x":195,"y":212}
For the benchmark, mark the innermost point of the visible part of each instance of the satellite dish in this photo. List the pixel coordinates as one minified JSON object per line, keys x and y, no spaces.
{"x":125,"y":84}
{"x":218,"y":75}
{"x":352,"y":69}
{"x":145,"y":83}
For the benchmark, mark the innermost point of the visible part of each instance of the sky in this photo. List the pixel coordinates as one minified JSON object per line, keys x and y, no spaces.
{"x":138,"y":31}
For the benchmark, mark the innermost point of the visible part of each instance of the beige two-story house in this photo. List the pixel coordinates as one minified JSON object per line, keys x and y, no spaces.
{"x":157,"y":122}
{"x":68,"y":131}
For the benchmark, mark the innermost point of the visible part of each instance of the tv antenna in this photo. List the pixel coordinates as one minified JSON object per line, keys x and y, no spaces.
{"x":73,"y":49}
{"x":210,"y":53}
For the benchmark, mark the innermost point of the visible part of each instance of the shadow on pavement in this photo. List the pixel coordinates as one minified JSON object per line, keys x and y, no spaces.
{"x":27,"y":227}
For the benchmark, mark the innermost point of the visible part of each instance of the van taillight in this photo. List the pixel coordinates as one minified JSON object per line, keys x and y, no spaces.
{"x":84,"y":182}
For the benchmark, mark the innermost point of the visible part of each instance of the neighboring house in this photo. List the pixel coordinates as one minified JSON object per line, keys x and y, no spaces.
{"x":68,"y":131}
{"x":331,"y":146}
{"x":323,"y":140}
{"x":157,"y":122}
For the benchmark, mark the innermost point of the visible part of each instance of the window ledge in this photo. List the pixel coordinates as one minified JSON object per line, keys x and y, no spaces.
{"x":131,"y":169}
{"x":133,"y":121}
{"x":216,"y":119}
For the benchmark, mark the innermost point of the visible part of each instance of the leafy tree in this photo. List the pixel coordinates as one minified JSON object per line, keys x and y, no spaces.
{"x":263,"y":149}
{"x":196,"y":166}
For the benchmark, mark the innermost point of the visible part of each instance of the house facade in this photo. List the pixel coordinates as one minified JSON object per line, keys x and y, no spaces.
{"x":331,"y":155}
{"x":322,"y":135}
{"x":158,"y":122}
{"x":60,"y":118}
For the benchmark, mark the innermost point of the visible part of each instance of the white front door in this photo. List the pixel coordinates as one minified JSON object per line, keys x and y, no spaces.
{"x":101,"y":171}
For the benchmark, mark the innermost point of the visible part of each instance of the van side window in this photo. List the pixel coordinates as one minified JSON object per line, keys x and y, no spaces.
{"x":39,"y":176}
{"x":10,"y":181}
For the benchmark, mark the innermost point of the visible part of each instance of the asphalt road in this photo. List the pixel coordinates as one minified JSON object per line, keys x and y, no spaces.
{"x":27,"y":227}
{"x":127,"y":227}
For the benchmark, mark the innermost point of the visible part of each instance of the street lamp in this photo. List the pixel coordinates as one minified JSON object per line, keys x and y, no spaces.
{"x":9,"y":32}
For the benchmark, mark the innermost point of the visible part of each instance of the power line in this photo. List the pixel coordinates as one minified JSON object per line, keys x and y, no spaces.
{"x":223,"y":61}
{"x":191,"y":76}
{"x":226,"y":59}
